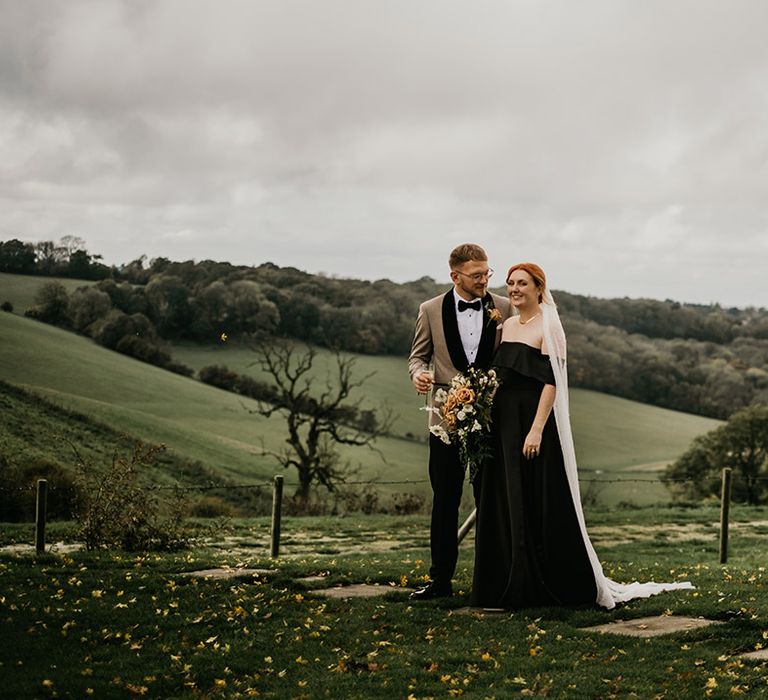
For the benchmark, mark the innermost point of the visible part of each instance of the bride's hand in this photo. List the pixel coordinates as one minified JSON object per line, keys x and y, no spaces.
{"x":532,"y":444}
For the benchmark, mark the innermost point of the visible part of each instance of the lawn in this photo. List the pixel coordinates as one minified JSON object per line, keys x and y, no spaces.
{"x":114,"y":624}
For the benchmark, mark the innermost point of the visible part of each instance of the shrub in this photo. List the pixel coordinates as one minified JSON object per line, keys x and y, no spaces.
{"x":17,"y":500}
{"x":116,"y":511}
{"x":6,"y":306}
{"x":18,"y":490}
{"x":741,"y":444}
{"x":225,"y":378}
{"x":109,"y":330}
{"x":254,"y":389}
{"x":179,"y":368}
{"x":152,"y":353}
{"x":142,"y":349}
{"x":358,"y":500}
{"x":88,"y":305}
{"x":219,"y":376}
{"x":51,"y":304}
{"x":408,"y":503}
{"x":317,"y":504}
{"x":213,"y":507}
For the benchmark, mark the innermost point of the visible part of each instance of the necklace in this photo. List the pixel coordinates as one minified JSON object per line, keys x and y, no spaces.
{"x":522,"y":323}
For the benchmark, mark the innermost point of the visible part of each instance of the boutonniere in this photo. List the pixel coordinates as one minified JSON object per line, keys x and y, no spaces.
{"x":492,"y":312}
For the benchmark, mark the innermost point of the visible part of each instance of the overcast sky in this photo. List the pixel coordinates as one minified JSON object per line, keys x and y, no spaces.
{"x":621,"y":145}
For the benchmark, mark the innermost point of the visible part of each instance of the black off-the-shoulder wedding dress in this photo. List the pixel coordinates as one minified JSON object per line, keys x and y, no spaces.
{"x":529,"y":549}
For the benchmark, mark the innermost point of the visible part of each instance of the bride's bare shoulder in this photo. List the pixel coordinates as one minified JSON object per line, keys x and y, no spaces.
{"x":510,"y":328}
{"x":511,"y":321}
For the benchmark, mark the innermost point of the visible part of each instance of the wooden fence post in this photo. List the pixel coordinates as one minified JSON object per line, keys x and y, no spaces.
{"x":467,"y":525}
{"x":725,"y":506}
{"x":40,"y":515}
{"x":277,"y":506}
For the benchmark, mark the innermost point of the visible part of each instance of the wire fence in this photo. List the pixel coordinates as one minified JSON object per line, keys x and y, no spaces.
{"x":41,"y":490}
{"x":267,"y":484}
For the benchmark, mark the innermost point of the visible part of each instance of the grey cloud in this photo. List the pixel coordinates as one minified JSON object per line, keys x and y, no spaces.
{"x":612,"y":140}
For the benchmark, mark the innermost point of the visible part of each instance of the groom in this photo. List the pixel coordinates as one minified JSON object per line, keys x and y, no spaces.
{"x":454,"y":331}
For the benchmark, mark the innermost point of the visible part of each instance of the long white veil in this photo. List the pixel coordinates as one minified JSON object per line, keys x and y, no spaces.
{"x":608,"y":592}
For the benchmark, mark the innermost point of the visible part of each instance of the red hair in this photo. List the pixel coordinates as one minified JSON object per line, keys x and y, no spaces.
{"x":536,"y":273}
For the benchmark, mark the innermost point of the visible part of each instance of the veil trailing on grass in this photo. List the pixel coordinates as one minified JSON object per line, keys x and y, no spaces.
{"x":608,"y":592}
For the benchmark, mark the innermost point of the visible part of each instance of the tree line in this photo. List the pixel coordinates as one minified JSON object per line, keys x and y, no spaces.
{"x":702,"y":359}
{"x":66,"y":258}
{"x":740,"y":444}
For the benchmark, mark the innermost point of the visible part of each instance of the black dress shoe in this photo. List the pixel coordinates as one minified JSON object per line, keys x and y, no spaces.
{"x":432,"y":590}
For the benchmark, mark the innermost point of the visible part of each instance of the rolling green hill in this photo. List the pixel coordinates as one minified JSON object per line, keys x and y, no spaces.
{"x":198,"y":422}
{"x":20,"y":290}
{"x":35,"y":433}
{"x":202,"y":423}
{"x":611,"y":433}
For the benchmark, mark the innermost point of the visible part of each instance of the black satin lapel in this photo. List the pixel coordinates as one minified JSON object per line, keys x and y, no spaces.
{"x":488,"y":338}
{"x":451,"y":332}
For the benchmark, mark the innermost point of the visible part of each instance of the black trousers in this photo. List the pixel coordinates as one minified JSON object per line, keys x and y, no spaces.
{"x":446,"y":474}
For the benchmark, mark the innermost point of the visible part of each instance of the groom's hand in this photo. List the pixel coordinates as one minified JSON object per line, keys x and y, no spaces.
{"x":423,"y":382}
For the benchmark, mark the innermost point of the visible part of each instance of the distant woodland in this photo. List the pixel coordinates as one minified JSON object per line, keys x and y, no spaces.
{"x":702,"y":359}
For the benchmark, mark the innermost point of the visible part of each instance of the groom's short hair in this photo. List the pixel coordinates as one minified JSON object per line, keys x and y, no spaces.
{"x":464,"y":253}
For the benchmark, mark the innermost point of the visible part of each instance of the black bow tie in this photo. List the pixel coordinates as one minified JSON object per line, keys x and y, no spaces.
{"x":474,"y":305}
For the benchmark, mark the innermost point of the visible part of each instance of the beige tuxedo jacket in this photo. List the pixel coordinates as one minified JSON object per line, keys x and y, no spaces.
{"x":438,"y":348}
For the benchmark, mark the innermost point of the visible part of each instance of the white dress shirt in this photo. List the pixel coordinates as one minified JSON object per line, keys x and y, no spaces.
{"x":470,"y":327}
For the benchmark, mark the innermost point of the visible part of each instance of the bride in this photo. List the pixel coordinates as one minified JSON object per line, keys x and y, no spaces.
{"x":531,"y":543}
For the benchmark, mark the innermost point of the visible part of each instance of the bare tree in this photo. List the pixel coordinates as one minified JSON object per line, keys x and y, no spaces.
{"x":49,"y":256}
{"x":318,"y":422}
{"x":69,"y":245}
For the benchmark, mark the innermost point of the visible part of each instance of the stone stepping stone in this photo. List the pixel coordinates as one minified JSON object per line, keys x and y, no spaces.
{"x":653,"y":626}
{"x":481,"y":612}
{"x":359,"y":590}
{"x":309,"y":580}
{"x":761,"y":655}
{"x":53,"y":548}
{"x":227,"y":573}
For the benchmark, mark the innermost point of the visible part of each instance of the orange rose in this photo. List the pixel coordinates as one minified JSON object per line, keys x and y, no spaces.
{"x":465,"y":395}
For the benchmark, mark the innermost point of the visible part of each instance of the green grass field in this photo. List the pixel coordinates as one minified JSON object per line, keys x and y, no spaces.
{"x":113,"y":624}
{"x":611,"y":433}
{"x":20,"y":290}
{"x":197,"y":421}
{"x":615,"y":438}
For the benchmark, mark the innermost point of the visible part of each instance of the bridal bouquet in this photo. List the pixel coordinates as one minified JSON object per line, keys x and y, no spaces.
{"x":465,"y":413}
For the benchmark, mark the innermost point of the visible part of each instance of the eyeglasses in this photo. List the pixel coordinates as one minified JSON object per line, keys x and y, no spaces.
{"x":477,"y":276}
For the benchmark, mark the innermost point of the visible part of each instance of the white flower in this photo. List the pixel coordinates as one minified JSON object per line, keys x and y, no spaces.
{"x":461,"y":415}
{"x":439,"y":431}
{"x":476,"y":426}
{"x":440,"y":396}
